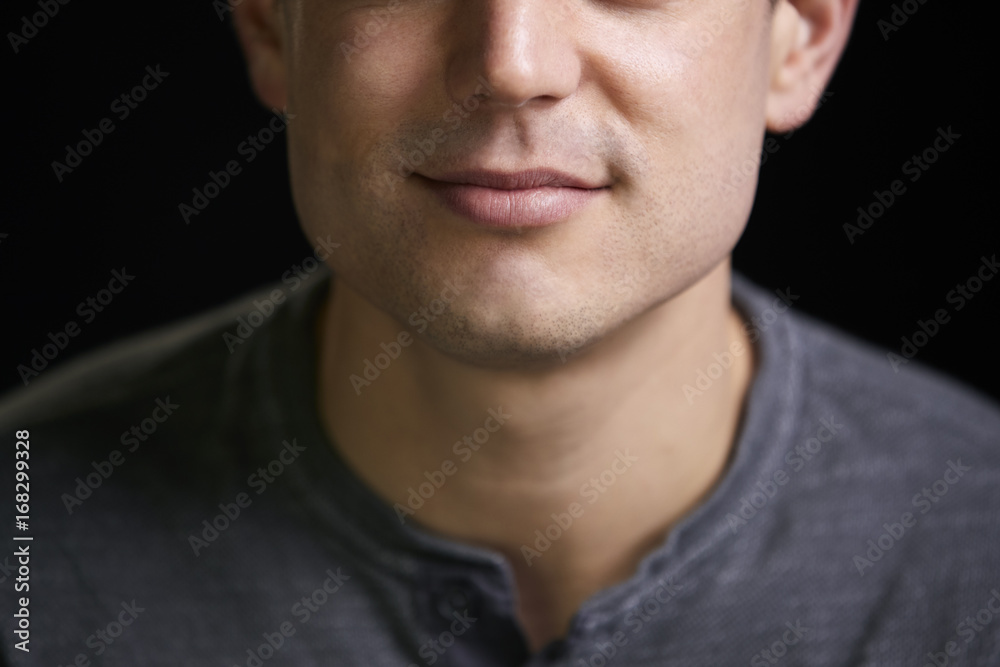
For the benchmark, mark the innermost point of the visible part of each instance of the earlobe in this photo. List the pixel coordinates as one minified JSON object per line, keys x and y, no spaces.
{"x":259,"y":26}
{"x":807,"y":40}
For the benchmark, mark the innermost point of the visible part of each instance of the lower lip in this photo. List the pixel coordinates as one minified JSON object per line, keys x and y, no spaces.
{"x":534,"y":207}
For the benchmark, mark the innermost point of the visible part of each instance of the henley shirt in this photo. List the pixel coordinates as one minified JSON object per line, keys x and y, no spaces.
{"x":188,"y":508}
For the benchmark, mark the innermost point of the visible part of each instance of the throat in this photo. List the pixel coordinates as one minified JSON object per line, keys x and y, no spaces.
{"x":546,"y":608}
{"x":554,"y":586}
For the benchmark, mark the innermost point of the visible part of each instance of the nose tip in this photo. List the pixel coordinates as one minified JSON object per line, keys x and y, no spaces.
{"x":523,"y":54}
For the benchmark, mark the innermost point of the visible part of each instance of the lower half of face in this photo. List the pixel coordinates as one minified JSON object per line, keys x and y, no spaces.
{"x":402,"y":126}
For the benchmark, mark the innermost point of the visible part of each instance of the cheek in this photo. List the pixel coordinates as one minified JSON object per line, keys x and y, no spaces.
{"x":694,"y":96}
{"x":350,"y":94}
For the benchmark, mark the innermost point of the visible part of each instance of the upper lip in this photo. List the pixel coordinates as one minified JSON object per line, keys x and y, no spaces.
{"x":519,"y":180}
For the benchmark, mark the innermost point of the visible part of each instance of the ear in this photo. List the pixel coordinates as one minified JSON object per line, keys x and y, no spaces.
{"x":260,"y":28}
{"x":807,"y":40}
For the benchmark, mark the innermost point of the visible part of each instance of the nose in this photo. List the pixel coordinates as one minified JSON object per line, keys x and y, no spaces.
{"x":526,"y":49}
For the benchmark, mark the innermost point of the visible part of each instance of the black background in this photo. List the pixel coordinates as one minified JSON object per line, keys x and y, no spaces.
{"x":120,"y":206}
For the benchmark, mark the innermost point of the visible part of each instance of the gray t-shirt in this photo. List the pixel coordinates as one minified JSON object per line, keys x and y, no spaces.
{"x":186,"y":508}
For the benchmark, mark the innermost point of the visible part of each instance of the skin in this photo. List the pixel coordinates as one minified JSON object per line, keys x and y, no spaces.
{"x":584,"y":331}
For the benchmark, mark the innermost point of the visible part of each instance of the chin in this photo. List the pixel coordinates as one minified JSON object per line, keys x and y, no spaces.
{"x":516,"y":344}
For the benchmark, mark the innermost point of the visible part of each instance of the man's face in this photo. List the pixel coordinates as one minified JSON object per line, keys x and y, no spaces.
{"x":656,"y":100}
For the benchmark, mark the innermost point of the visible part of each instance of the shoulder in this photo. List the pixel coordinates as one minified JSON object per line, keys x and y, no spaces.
{"x":889,"y":474}
{"x":895,"y":406}
{"x":127,"y":389}
{"x":905,"y":412}
{"x":887,"y":448}
{"x":116,"y":373}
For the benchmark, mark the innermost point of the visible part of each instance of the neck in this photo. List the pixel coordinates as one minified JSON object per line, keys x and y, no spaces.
{"x":553,"y":458}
